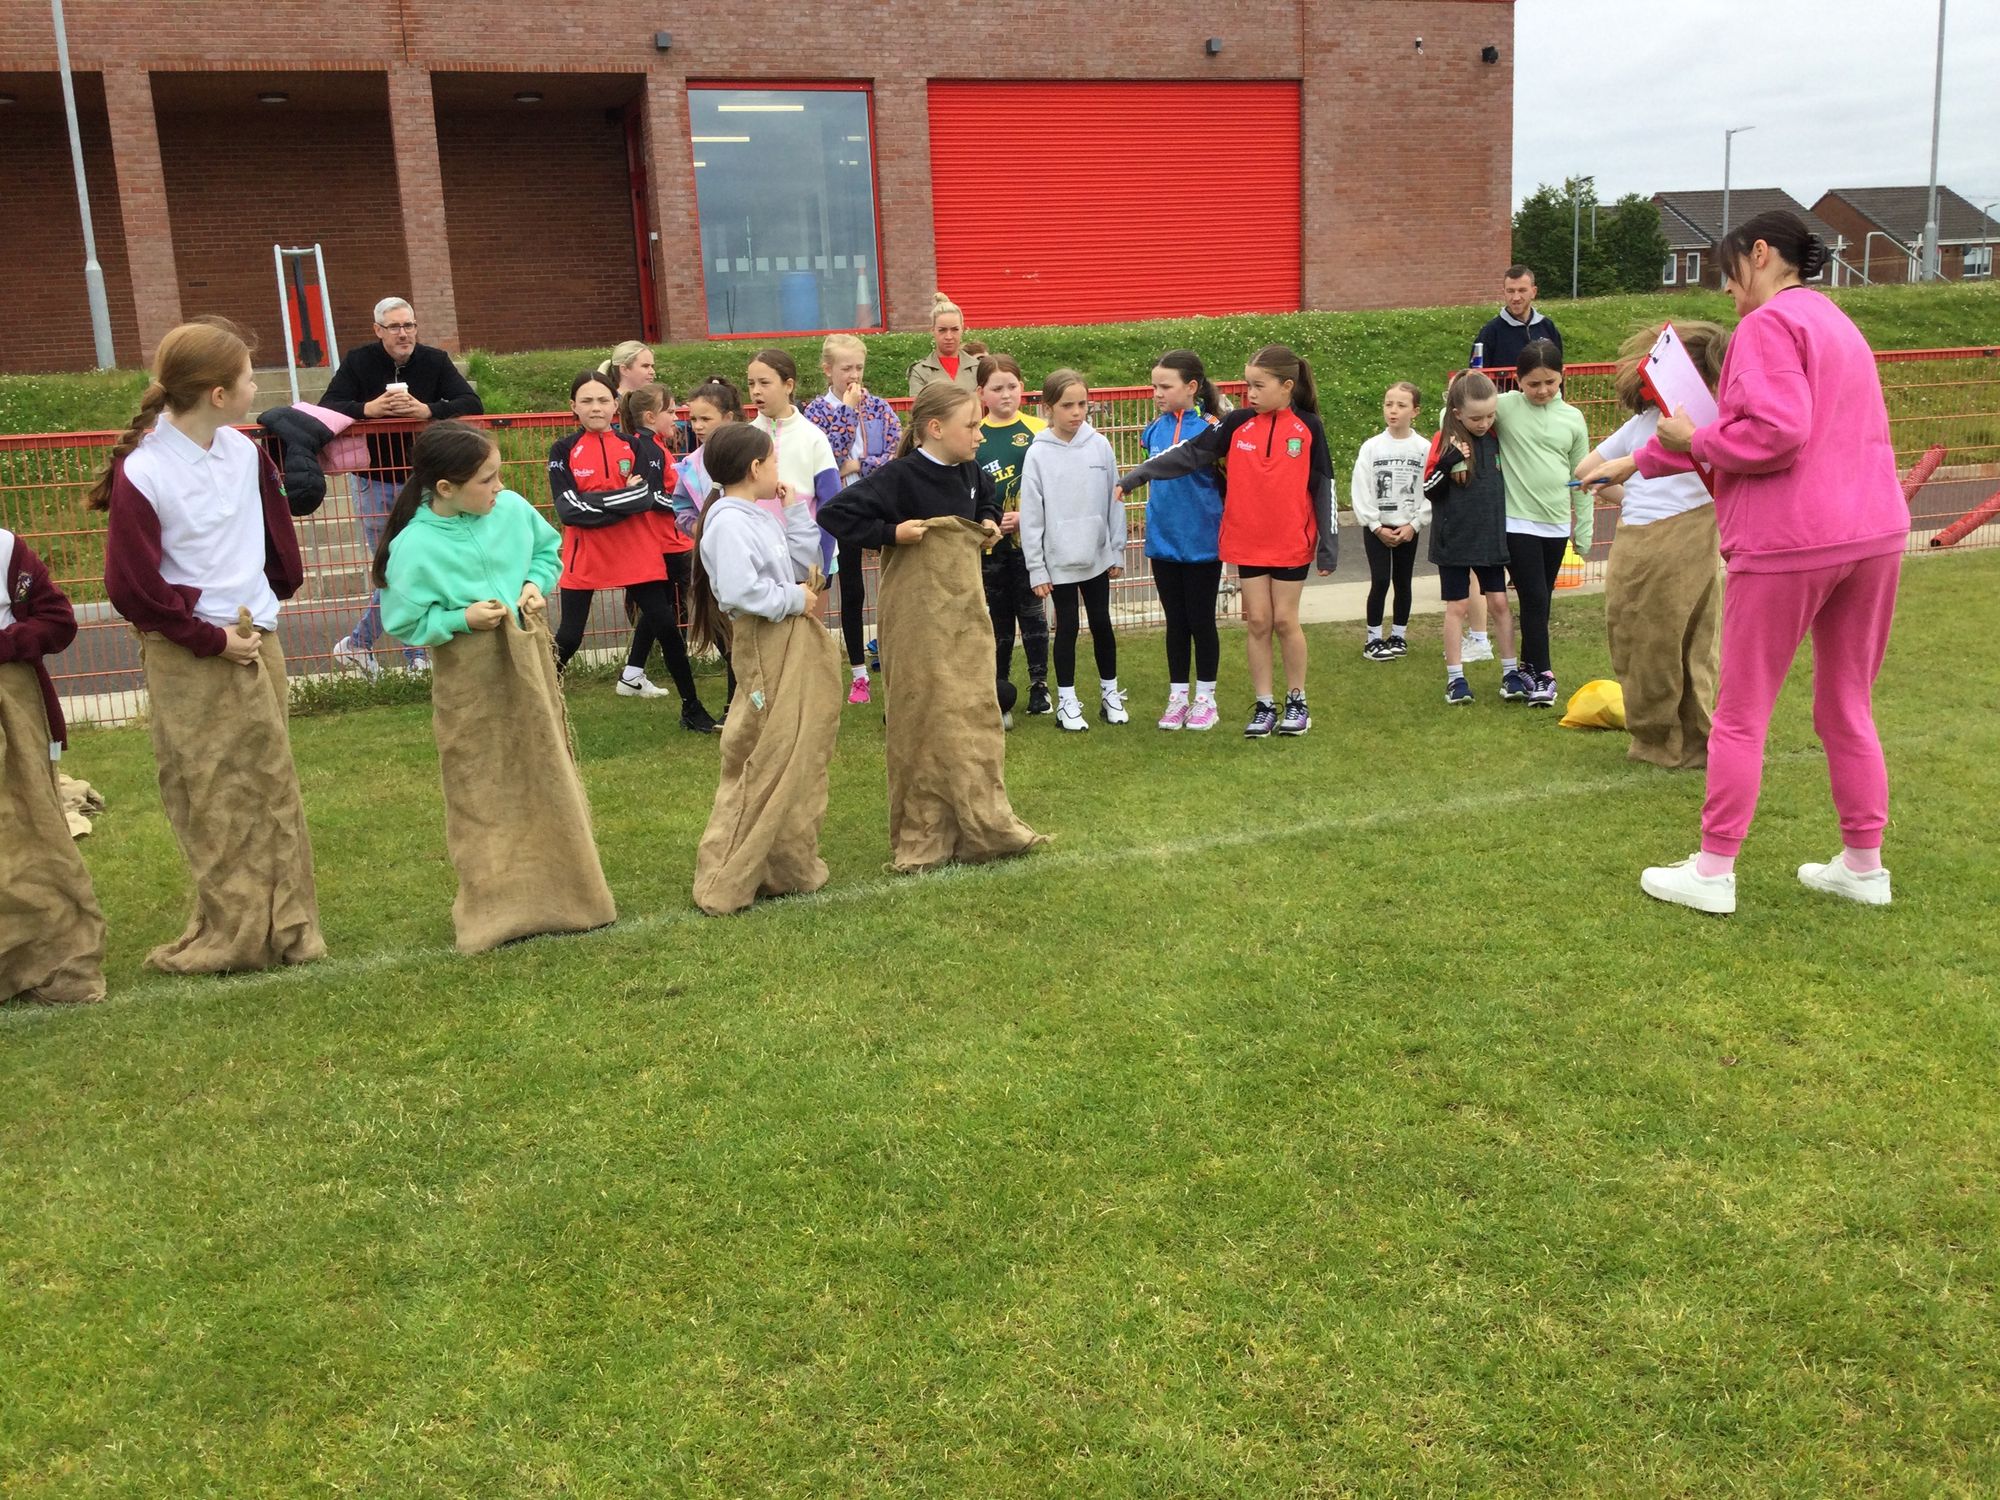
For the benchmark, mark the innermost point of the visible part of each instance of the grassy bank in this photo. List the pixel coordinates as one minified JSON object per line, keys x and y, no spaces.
{"x":1354,"y":354}
{"x":1328,"y":1117}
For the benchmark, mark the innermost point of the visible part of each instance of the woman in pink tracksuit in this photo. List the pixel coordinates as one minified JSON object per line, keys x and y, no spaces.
{"x":1813,"y":526}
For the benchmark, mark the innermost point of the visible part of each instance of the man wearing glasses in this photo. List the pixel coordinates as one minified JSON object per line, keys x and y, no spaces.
{"x":395,"y":379}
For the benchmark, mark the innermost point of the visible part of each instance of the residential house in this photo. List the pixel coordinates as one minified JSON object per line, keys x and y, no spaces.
{"x":1692,"y":224}
{"x":1886,"y":227}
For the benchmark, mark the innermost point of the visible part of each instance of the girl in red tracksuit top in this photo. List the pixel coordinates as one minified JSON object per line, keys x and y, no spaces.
{"x":1277,"y":517}
{"x":617,"y":529}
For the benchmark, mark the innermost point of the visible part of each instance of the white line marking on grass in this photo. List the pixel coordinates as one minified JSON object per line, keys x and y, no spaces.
{"x":1038,"y":863}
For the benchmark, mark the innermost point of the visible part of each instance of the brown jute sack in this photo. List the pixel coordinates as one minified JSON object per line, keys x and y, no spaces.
{"x":516,"y":820}
{"x":1663,"y":622}
{"x":51,"y":931}
{"x":763,"y":832}
{"x":232,"y":796}
{"x":946,"y":750}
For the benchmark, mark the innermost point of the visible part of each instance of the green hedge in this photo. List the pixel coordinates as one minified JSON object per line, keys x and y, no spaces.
{"x":1354,"y":355}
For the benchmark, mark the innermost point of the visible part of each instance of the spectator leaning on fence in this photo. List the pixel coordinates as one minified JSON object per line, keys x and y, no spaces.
{"x":1518,"y":322}
{"x":394,"y":378}
{"x":949,"y":360}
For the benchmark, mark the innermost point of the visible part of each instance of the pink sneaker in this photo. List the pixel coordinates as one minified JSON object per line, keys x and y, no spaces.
{"x":1176,"y":715}
{"x":1201,"y":714}
{"x":859,"y":692}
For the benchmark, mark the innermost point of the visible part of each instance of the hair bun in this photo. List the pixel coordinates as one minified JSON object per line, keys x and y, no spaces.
{"x":1815,"y":257}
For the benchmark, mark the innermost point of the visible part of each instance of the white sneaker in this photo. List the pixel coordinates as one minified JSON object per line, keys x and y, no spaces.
{"x":1476,"y":650}
{"x":1681,"y":885}
{"x":645,"y":687}
{"x":1007,"y":719}
{"x":1836,"y":879}
{"x":351,"y":658}
{"x":1069,"y":717}
{"x":1111,"y":707}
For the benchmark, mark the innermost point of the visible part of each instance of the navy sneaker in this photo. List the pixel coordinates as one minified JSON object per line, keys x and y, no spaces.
{"x":1296,"y":720}
{"x":1457,"y":691}
{"x":1517,"y":686}
{"x":874,"y":656}
{"x":1544,"y":695}
{"x":1397,"y":646}
{"x":1038,"y":699}
{"x":1263,"y":720}
{"x":1376,"y":650}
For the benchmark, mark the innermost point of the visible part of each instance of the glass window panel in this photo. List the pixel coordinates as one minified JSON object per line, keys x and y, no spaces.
{"x":788,"y":188}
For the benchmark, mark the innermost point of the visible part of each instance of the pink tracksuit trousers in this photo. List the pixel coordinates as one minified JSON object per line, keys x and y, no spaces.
{"x":1813,"y":525}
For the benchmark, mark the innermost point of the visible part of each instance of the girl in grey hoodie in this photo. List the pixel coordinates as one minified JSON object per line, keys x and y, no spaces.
{"x":1073,"y":535}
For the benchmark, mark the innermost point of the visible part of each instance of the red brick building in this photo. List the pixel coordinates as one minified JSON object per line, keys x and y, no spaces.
{"x":539,"y":173}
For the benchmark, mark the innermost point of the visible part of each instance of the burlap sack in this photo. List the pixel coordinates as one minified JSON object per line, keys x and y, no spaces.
{"x":232,"y":797}
{"x":51,"y":931}
{"x":81,"y":802}
{"x":946,"y":750}
{"x":1663,"y":620}
{"x":516,"y":820}
{"x":763,"y":832}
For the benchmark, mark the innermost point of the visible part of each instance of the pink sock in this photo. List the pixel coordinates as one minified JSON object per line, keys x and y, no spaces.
{"x":1862,"y":861}
{"x":1710,"y":865}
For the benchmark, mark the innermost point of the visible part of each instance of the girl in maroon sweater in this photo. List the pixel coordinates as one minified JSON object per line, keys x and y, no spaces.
{"x":51,"y":931}
{"x":198,"y":554}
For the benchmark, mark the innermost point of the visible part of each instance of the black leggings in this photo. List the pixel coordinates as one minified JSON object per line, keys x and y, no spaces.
{"x":1388,"y":564}
{"x":1533,"y":562}
{"x":644,"y":636}
{"x":656,"y":608}
{"x":853,"y":600}
{"x":1187,"y":593}
{"x":1096,"y":596}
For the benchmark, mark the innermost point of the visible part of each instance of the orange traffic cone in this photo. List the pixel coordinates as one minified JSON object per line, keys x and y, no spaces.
{"x":1570,"y":574}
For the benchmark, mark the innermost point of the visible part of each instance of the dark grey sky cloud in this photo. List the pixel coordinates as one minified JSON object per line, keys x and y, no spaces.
{"x":1839,"y":90}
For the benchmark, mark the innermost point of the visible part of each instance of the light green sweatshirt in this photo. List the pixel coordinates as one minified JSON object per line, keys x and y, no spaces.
{"x":438,"y":565}
{"x":1540,"y":447}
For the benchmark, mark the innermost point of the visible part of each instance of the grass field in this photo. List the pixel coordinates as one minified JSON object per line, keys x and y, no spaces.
{"x":1314,"y":1118}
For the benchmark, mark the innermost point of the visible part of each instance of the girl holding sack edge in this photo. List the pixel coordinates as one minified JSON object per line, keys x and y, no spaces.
{"x":762,"y":837}
{"x":51,"y":930}
{"x":465,"y":568}
{"x":932,"y":512}
{"x":197,"y":555}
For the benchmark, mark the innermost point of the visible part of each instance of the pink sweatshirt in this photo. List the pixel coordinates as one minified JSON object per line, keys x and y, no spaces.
{"x":1805,"y":476}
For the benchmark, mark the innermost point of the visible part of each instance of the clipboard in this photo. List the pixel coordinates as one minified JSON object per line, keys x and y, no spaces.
{"x":1670,"y":380}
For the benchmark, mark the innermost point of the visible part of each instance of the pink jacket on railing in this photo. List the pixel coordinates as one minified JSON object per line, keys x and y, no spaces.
{"x":1805,"y":476}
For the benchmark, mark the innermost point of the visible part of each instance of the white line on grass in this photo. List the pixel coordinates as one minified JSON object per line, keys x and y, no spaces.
{"x":1040,"y":863}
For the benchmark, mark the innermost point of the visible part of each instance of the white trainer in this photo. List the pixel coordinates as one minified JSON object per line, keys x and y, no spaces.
{"x":1069,"y":717}
{"x":1836,"y":879}
{"x":1476,"y":650}
{"x":349,"y":657}
{"x":1111,"y":707}
{"x":645,"y":687}
{"x":1682,"y":885}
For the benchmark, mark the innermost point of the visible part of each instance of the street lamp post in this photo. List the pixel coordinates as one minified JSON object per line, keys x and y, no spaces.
{"x":1728,"y":143}
{"x":1985,"y":233}
{"x":93,"y":273}
{"x":1931,"y":202}
{"x":1576,"y":229}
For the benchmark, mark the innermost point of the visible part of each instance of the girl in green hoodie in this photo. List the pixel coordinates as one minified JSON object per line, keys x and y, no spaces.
{"x":464,"y":567}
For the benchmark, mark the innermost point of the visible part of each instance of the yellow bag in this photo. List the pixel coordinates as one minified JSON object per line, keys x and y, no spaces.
{"x":1596,"y":705}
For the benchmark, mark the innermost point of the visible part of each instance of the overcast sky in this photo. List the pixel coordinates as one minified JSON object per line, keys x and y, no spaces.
{"x":1839,"y":90}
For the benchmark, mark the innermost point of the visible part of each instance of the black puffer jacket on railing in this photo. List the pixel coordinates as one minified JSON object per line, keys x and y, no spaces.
{"x":294,"y":440}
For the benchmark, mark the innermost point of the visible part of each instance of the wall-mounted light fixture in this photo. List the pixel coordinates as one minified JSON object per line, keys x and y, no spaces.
{"x":273,"y":96}
{"x":1214,"y":46}
{"x":663,"y":41}
{"x":528,"y":96}
{"x":1489,"y":53}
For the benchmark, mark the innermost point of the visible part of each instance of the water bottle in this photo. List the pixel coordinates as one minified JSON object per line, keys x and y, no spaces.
{"x":1478,"y":356}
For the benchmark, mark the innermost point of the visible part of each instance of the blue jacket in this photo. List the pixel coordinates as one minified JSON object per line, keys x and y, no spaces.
{"x":1183,"y":515}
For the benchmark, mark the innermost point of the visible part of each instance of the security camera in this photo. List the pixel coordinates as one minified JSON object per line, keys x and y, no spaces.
{"x":1420,"y":44}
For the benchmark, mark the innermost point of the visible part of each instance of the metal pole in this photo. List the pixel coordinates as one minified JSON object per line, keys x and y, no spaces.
{"x":1728,"y":144}
{"x":1575,"y":238}
{"x":1985,"y":233}
{"x":285,"y":317}
{"x":93,"y":273}
{"x":1931,"y":203}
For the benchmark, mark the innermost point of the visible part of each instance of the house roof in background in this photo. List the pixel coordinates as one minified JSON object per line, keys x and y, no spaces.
{"x":1693,"y":220}
{"x":1899,"y":211}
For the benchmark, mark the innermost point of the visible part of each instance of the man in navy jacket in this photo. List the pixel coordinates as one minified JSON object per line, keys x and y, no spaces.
{"x":430,"y":389}
{"x":1518,"y":322}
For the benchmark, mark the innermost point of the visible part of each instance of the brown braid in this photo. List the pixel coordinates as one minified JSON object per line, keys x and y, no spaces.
{"x":150,"y":406}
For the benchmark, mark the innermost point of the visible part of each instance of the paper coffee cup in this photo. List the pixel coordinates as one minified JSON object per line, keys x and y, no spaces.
{"x":397,"y":388}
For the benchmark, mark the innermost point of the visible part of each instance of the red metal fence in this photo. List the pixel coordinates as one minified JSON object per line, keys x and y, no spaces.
{"x":1945,"y":399}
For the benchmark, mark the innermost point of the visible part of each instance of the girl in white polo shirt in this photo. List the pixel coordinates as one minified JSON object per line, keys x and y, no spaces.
{"x":198,"y":552}
{"x":1663,"y":586}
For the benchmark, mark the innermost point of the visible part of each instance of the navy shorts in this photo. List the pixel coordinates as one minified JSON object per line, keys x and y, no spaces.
{"x":1283,"y":575}
{"x":1455,"y":583}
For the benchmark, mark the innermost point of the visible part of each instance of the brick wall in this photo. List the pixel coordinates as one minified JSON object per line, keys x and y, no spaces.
{"x":238,"y":183}
{"x":46,"y":325}
{"x":540,"y":218}
{"x":1390,"y":136}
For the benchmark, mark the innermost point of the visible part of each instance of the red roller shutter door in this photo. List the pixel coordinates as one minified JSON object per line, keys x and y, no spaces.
{"x":1150,"y":200}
